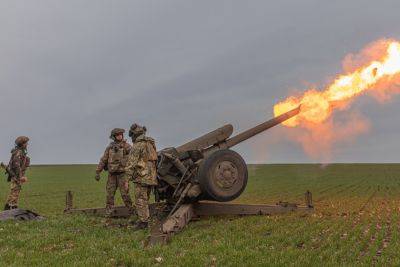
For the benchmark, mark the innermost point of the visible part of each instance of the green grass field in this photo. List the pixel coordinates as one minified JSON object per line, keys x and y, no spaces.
{"x":357,"y":222}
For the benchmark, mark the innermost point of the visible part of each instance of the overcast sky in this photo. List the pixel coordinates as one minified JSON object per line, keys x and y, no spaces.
{"x":71,"y":70}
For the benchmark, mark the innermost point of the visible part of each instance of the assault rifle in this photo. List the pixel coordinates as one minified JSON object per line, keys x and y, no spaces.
{"x":9,"y":172}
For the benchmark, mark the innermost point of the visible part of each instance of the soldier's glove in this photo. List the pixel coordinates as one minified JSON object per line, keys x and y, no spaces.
{"x":97,"y":177}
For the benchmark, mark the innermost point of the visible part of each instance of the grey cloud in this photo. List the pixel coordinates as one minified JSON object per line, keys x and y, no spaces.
{"x":72,"y":70}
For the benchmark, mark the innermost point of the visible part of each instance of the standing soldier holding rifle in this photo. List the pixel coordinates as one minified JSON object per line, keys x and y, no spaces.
{"x":19,"y":162}
{"x":114,"y":161}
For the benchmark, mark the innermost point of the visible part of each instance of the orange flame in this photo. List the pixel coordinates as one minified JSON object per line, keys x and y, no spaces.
{"x":317,"y":106}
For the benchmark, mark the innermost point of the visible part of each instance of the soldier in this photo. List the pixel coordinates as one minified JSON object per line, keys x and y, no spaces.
{"x":19,"y":162}
{"x":141,"y":169}
{"x":114,"y":161}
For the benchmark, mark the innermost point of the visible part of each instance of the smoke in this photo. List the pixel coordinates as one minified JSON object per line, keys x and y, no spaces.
{"x":373,"y":51}
{"x":319,"y":140}
{"x":385,"y":90}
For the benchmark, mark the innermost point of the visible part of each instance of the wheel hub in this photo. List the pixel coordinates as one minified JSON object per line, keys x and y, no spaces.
{"x":226,"y":174}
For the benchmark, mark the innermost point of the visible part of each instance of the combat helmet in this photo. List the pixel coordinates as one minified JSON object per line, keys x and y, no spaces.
{"x":116,"y":132}
{"x":21,"y":140}
{"x":136,"y":130}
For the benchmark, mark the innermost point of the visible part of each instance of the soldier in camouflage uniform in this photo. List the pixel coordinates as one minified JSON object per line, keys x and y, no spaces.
{"x":114,"y":161}
{"x":141,"y":169}
{"x":19,"y":162}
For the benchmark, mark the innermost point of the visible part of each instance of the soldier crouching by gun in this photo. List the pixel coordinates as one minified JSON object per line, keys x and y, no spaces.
{"x":15,"y":170}
{"x":114,"y":161}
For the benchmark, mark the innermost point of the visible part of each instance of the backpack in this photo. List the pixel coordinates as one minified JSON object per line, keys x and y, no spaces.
{"x":151,"y":150}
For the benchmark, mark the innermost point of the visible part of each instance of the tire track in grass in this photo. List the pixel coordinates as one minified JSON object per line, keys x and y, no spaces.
{"x":366,"y":235}
{"x":382,"y":236}
{"x":370,"y":232}
{"x":285,"y":189}
{"x":370,"y":235}
{"x":323,"y":193}
{"x":358,"y":230}
{"x":360,"y":212}
{"x":391,"y":255}
{"x":369,"y":199}
{"x":340,"y":189}
{"x":333,"y":236}
{"x":347,"y":188}
{"x":327,"y":189}
{"x":336,"y":205}
{"x":387,"y":236}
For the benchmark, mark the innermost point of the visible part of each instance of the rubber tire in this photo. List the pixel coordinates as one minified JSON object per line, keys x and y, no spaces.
{"x":213,"y":192}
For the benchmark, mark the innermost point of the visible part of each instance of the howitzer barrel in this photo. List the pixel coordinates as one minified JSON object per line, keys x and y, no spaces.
{"x":208,"y":140}
{"x":261,"y":127}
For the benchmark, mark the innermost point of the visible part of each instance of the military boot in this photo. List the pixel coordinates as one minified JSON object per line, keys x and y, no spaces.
{"x":140,"y":225}
{"x":6,"y":207}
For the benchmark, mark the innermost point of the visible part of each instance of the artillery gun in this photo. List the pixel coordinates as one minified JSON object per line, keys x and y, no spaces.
{"x":206,"y":168}
{"x":196,"y":177}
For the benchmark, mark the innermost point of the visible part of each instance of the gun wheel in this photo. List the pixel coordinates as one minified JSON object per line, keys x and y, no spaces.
{"x":223,"y":176}
{"x":226,"y":175}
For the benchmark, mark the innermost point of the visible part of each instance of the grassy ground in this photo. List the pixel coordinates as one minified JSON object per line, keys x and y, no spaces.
{"x":357,"y":222}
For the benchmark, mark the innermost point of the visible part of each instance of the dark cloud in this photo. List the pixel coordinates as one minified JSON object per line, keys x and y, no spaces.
{"x":72,"y":70}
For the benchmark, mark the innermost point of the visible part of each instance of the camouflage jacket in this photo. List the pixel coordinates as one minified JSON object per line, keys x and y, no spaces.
{"x":18,"y":164}
{"x":141,"y":166}
{"x":114,"y":157}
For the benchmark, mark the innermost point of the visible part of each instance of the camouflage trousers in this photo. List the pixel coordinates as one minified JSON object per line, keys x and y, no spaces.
{"x":142,"y":195}
{"x":114,"y":182}
{"x":15,"y":190}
